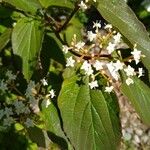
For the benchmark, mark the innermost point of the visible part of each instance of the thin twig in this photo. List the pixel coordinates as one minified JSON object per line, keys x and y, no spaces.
{"x":86,"y":57}
{"x":69,"y":18}
{"x":52,"y":22}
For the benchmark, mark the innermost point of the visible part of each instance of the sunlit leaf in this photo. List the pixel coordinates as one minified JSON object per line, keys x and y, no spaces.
{"x":88,"y":118}
{"x":5,"y":38}
{"x":25,"y":5}
{"x":27,"y":39}
{"x":139,"y":95}
{"x":53,"y":125}
{"x":47,"y":3}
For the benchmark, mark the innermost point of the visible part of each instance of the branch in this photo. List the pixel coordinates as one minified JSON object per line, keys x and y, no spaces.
{"x":86,"y":57}
{"x":69,"y":18}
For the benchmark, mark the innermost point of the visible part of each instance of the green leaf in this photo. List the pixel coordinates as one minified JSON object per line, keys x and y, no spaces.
{"x":74,"y":27}
{"x":139,"y":95}
{"x":47,"y":3}
{"x":27,"y":39}
{"x":89,"y":120}
{"x":53,"y":125}
{"x":51,"y":119}
{"x":5,"y":38}
{"x":5,"y":12}
{"x":25,"y":5}
{"x":118,"y":13}
{"x":38,"y":136}
{"x":51,"y":49}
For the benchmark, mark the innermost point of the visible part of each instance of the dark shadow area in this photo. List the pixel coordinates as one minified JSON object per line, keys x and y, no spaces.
{"x":50,"y":50}
{"x":93,"y":16}
{"x":139,"y":7}
{"x":5,"y":16}
{"x":36,"y":135}
{"x":58,"y":11}
{"x":58,"y":140}
{"x":11,"y":140}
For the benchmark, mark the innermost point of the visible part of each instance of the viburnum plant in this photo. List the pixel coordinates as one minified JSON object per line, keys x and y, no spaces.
{"x":60,"y":80}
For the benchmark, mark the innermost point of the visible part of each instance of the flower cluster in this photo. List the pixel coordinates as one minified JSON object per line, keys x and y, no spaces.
{"x":23,"y":108}
{"x":49,"y":95}
{"x":100,"y":55}
{"x":17,"y":110}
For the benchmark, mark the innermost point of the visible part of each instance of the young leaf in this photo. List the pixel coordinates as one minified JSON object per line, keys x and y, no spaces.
{"x":118,"y":13}
{"x":27,"y":39}
{"x":5,"y":38}
{"x":25,"y":5}
{"x":139,"y":95}
{"x":89,"y":120}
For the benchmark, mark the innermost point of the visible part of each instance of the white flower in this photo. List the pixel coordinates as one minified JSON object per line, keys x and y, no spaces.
{"x":109,"y":89}
{"x":118,"y":65}
{"x":87,"y":68}
{"x":96,"y":25}
{"x":79,"y":45}
{"x":70,"y":62}
{"x":10,"y":75}
{"x":129,"y":71}
{"x":44,"y":82}
{"x":29,"y":123}
{"x":8,"y":121}
{"x":52,"y":93}
{"x":65,"y":49}
{"x":110,"y":47}
{"x":136,"y":55}
{"x":14,"y":24}
{"x":108,"y":26}
{"x":2,"y":113}
{"x":8,"y":111}
{"x":98,"y":65}
{"x":129,"y":81}
{"x":93,"y":84}
{"x":140,"y":72}
{"x":91,"y":36}
{"x":117,"y":38}
{"x":115,"y":75}
{"x":112,"y":67}
{"x":82,"y":5}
